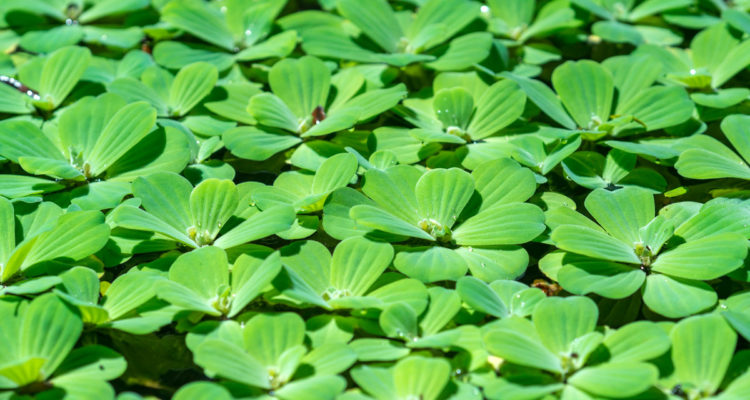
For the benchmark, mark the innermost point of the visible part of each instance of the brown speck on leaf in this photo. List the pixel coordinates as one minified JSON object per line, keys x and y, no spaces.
{"x":318,"y":115}
{"x":550,"y":289}
{"x":146,"y":45}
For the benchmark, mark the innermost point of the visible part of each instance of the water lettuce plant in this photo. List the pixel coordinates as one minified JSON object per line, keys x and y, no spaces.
{"x":374,"y":200}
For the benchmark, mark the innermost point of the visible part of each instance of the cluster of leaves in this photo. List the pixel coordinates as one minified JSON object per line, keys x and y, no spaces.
{"x":372,"y":199}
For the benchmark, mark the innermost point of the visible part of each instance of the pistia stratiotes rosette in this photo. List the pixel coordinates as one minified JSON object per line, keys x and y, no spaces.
{"x":564,"y":354}
{"x":463,"y":111}
{"x":707,"y":158}
{"x":456,"y":221}
{"x":39,"y":358}
{"x":587,"y":100}
{"x":216,"y":212}
{"x":41,"y":238}
{"x":524,"y":26}
{"x":63,"y":23}
{"x":715,"y":56}
{"x":413,"y":377}
{"x":618,"y":169}
{"x":204,"y":282}
{"x":60,"y":72}
{"x":703,"y":361}
{"x":267,"y":356}
{"x":102,"y":143}
{"x":127,"y":304}
{"x":398,"y":38}
{"x":307,"y":192}
{"x":237,"y":30}
{"x":668,"y":256}
{"x":171,"y":95}
{"x":306,"y":103}
{"x":619,"y":15}
{"x":347,"y":279}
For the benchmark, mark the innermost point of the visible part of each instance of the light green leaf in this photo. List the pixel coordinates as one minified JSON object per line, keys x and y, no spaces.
{"x":212,"y":202}
{"x":500,"y":105}
{"x":190,"y":86}
{"x":357,"y":263}
{"x":420,"y":377}
{"x":302,"y":84}
{"x":516,"y":340}
{"x":376,"y":19}
{"x":60,"y":73}
{"x":511,"y":223}
{"x":266,"y":223}
{"x":200,"y":20}
{"x":637,"y":341}
{"x":442,"y":194}
{"x":232,"y":362}
{"x":621,"y":212}
{"x":586,"y":90}
{"x":616,"y":379}
{"x":49,"y":330}
{"x":704,"y":259}
{"x":126,"y":128}
{"x":677,"y":297}
{"x":559,"y":321}
{"x":702,"y":348}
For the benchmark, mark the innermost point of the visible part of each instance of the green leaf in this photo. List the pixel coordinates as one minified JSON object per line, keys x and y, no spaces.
{"x":442,"y":194}
{"x":200,"y":20}
{"x":511,"y":223}
{"x":376,"y":19}
{"x":481,"y":297}
{"x":592,"y":243}
{"x":621,"y":212}
{"x":60,"y":73}
{"x":266,"y":223}
{"x":190,"y":86}
{"x":677,"y":297}
{"x":516,"y":340}
{"x":736,"y":130}
{"x":464,"y":52}
{"x":583,"y":275}
{"x":212,"y":202}
{"x":704,"y":259}
{"x":334,"y":173}
{"x":24,"y":139}
{"x":357,"y":263}
{"x":503,"y":181}
{"x":544,"y":98}
{"x":126,"y":128}
{"x":130,"y":217}
{"x":255,"y":144}
{"x":81,"y":124}
{"x":702,"y":348}
{"x":377,"y":218}
{"x":430,"y":264}
{"x":616,"y":379}
{"x":420,"y":377}
{"x":232,"y":362}
{"x":202,"y":390}
{"x":586,"y":90}
{"x":500,"y":105}
{"x":559,"y":321}
{"x":302,"y":84}
{"x":250,"y":277}
{"x":166,"y":194}
{"x":267,"y":337}
{"x":49,"y":330}
{"x":453,"y":107}
{"x":399,"y":321}
{"x":637,"y":341}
